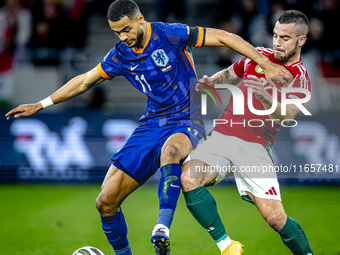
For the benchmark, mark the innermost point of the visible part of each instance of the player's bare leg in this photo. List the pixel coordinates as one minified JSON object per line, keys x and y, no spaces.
{"x":116,"y":186}
{"x":271,"y":210}
{"x":191,"y":179}
{"x":202,"y":204}
{"x":290,"y":231}
{"x":176,"y":148}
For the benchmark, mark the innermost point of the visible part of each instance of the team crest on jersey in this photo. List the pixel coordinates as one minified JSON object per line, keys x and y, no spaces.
{"x":259,"y":70}
{"x":160,"y":58}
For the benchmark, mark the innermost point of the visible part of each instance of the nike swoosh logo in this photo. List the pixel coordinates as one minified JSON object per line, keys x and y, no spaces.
{"x":175,"y":186}
{"x":133,"y":68}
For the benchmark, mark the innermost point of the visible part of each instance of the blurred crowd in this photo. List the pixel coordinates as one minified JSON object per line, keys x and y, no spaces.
{"x":254,"y":21}
{"x":38,"y":30}
{"x":42,"y":24}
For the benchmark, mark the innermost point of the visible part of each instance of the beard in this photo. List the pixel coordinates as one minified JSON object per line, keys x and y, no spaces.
{"x":140,"y":35}
{"x":283,"y":59}
{"x":138,"y":41}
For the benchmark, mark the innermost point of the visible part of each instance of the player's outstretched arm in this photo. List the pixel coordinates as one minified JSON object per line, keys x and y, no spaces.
{"x":225,"y":76}
{"x":74,"y":87}
{"x":217,"y":38}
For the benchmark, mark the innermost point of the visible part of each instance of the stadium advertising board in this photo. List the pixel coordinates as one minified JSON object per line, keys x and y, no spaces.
{"x":78,"y":147}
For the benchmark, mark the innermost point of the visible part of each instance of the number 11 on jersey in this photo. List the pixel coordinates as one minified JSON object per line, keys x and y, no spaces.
{"x":141,"y":80}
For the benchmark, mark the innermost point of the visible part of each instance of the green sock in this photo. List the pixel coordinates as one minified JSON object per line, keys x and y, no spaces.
{"x":202,"y":206}
{"x":295,"y":238}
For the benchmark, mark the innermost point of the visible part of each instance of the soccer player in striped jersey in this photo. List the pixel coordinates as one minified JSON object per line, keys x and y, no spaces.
{"x":156,"y":59}
{"x":240,"y":142}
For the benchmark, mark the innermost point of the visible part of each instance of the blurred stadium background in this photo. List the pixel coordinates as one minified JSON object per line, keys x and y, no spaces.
{"x":44,"y":43}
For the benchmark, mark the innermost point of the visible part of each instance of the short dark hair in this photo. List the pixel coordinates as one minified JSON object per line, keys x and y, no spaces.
{"x":296,"y":17}
{"x":120,"y":8}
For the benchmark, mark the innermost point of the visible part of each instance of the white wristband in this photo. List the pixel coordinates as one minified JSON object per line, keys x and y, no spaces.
{"x":47,"y":102}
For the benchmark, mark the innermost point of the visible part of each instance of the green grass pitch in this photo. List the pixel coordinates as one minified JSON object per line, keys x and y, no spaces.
{"x":58,"y":219}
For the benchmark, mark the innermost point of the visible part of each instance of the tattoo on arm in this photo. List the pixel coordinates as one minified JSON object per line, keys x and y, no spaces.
{"x":228,"y":76}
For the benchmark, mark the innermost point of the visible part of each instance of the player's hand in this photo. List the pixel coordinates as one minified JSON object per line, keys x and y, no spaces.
{"x":251,"y":81}
{"x":24,"y":110}
{"x":205,"y":80}
{"x":275,"y":72}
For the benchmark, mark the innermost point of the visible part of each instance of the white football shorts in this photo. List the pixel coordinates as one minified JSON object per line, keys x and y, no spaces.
{"x":250,"y":163}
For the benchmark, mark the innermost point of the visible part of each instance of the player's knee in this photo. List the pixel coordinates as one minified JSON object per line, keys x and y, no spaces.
{"x":189,"y":183}
{"x":185,"y":181}
{"x":106,"y":206}
{"x":170,"y":153}
{"x":275,"y":220}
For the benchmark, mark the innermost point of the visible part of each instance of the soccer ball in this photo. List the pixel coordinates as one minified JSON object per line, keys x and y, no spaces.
{"x":88,"y":250}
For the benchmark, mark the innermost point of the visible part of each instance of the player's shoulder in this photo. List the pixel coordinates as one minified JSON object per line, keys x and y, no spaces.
{"x":265,"y":51}
{"x":157,"y":25}
{"x":162,"y":27}
{"x":300,"y":75}
{"x":115,"y":53}
{"x":172,"y":26}
{"x":175,"y":33}
{"x":300,"y":70}
{"x":175,"y":29}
